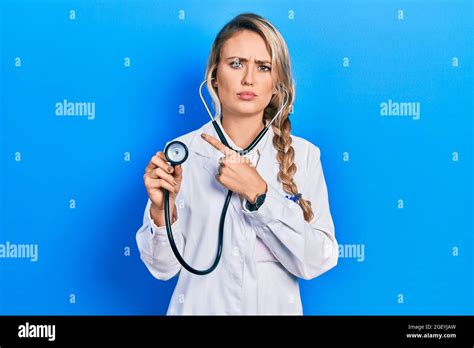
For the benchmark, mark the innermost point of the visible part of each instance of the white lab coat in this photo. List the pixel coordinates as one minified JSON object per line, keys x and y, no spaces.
{"x":264,"y":251}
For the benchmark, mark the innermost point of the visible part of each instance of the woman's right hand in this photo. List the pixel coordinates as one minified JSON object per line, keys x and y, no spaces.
{"x":159,"y":175}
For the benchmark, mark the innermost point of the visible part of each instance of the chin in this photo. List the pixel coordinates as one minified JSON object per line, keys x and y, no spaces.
{"x":249,"y":111}
{"x":248,"y":108}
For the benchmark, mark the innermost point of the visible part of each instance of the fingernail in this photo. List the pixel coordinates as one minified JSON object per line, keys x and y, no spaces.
{"x":170,"y":169}
{"x":203,"y":135}
{"x":175,"y":183}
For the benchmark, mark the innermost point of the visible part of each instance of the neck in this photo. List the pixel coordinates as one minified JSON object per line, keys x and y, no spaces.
{"x":242,"y":129}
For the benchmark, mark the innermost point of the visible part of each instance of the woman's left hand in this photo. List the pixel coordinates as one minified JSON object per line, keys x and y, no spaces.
{"x":236,"y":172}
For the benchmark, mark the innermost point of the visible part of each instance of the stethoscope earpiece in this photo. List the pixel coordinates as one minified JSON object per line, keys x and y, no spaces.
{"x":176,"y":152}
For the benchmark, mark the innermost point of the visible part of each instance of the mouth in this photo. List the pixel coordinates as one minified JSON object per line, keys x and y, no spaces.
{"x":246,"y":95}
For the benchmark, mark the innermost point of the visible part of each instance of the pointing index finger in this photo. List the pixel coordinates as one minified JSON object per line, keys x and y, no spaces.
{"x":217,"y":144}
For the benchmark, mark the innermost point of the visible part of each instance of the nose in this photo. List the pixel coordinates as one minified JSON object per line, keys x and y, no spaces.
{"x":248,"y":76}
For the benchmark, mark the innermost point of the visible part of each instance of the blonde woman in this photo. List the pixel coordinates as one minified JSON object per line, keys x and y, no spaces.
{"x":278,"y":227}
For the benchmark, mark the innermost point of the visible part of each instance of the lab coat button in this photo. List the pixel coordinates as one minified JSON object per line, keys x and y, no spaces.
{"x":236,"y":251}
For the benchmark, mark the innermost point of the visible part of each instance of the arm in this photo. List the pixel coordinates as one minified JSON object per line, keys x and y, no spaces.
{"x":305,"y":249}
{"x":154,"y":247}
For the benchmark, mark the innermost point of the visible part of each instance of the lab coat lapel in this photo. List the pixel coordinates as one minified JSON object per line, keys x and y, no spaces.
{"x":207,"y":154}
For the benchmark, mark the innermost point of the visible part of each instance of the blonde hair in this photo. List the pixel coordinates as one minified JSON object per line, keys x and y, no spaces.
{"x":281,"y":68}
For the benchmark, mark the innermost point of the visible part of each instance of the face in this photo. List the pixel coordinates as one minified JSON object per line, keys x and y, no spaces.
{"x":245,"y":66}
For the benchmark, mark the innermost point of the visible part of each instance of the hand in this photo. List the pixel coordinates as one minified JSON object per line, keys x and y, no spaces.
{"x":159,"y":175}
{"x":236,"y":172}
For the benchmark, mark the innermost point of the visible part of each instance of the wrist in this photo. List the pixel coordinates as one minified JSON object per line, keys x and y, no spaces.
{"x":153,"y":207}
{"x":158,"y":215}
{"x":251,"y":196}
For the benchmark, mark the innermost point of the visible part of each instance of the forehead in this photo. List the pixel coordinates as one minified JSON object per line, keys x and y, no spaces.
{"x":246,"y":44}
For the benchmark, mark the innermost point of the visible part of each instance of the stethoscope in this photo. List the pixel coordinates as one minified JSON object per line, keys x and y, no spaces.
{"x":176,"y":153}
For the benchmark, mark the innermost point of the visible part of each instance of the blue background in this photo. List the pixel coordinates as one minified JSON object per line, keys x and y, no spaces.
{"x":408,"y":251}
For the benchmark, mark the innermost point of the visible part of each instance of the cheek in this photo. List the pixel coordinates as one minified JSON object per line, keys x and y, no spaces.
{"x":266,"y":92}
{"x":226,"y":76}
{"x":267,"y":85}
{"x":224,"y":85}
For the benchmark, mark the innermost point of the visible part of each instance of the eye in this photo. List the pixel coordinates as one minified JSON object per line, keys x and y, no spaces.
{"x":235,"y":62}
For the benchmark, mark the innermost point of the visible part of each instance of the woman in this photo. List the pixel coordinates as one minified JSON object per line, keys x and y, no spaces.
{"x":278,"y":227}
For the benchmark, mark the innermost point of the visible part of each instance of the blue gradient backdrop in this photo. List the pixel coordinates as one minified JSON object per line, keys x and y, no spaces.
{"x":348,"y":57}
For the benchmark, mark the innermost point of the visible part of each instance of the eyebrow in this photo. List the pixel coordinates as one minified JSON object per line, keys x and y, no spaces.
{"x":246,"y":60}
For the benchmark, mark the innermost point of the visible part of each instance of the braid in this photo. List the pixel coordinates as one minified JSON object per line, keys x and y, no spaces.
{"x":286,"y":156}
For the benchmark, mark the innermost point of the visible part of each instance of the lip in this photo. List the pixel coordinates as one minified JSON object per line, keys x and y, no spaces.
{"x":246,"y":95}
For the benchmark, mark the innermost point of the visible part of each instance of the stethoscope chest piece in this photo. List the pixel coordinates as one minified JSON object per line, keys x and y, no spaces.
{"x":176,"y":152}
